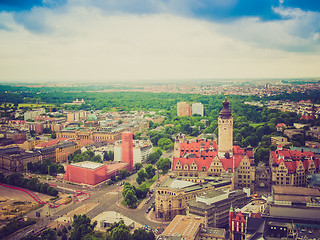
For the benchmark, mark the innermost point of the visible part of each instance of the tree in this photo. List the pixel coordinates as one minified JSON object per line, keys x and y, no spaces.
{"x":81,"y":226}
{"x":14,"y":179}
{"x":108,"y":156}
{"x":154,"y":157}
{"x":123,"y":173}
{"x":118,"y":231}
{"x":97,"y":158}
{"x":262,"y":155}
{"x":126,"y":187}
{"x":150,"y":171}
{"x":164,"y":164}
{"x":142,"y":191}
{"x":141,"y":176}
{"x":138,"y":166}
{"x":142,"y":234}
{"x":131,"y":199}
{"x":32,"y":133}
{"x":165,"y":143}
{"x":49,"y":234}
{"x":53,"y":135}
{"x":298,"y":140}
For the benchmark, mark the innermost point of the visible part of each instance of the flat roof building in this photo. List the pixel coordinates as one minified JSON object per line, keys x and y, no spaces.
{"x":186,"y":227}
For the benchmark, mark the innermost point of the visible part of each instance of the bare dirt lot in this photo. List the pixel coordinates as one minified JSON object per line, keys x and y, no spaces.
{"x":15,"y":203}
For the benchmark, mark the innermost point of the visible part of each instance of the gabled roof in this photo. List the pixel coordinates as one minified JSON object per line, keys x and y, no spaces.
{"x":292,"y":158}
{"x":50,"y":143}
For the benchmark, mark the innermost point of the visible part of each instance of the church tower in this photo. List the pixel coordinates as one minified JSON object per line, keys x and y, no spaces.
{"x":180,"y":138}
{"x":225,"y":127}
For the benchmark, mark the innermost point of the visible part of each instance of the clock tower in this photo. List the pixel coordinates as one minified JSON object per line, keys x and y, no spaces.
{"x":225,"y":127}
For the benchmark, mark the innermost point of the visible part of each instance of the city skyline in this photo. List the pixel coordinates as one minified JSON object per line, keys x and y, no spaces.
{"x":69,"y":40}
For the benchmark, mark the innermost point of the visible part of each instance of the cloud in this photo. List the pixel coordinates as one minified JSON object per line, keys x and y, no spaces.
{"x":81,"y":41}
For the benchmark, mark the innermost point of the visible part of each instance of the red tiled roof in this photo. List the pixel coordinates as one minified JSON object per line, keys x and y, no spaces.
{"x":194,"y":147}
{"x":50,"y":143}
{"x":228,"y":163}
{"x":292,"y":158}
{"x":305,"y":117}
{"x":85,"y":142}
{"x":199,"y":161}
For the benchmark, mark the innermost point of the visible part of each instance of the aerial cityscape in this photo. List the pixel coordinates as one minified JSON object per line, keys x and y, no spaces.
{"x":154,"y":119}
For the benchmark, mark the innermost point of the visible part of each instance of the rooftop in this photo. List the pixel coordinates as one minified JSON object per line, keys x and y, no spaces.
{"x":179,"y":184}
{"x":185,"y":226}
{"x":296,"y":191}
{"x":111,"y":217}
{"x":87,"y":164}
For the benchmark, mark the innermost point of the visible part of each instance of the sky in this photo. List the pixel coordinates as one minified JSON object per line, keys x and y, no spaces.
{"x":131,"y":40}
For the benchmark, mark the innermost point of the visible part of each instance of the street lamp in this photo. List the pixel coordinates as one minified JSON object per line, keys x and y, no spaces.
{"x":48,"y":174}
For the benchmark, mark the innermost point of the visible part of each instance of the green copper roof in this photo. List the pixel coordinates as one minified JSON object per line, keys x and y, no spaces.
{"x":92,"y":117}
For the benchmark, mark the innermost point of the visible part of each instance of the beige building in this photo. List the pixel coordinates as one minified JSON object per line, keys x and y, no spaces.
{"x":96,"y":136}
{"x":291,"y":167}
{"x":276,"y":140}
{"x":15,"y":160}
{"x":214,"y":205}
{"x":225,"y":126}
{"x":183,"y":109}
{"x":244,"y":174}
{"x":172,"y":197}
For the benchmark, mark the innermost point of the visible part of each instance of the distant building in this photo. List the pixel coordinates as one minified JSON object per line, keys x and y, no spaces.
{"x":15,"y":159}
{"x":31,"y":114}
{"x":197,"y":108}
{"x":276,"y":140}
{"x":76,"y":116}
{"x":281,"y":126}
{"x":76,"y":102}
{"x":35,"y":126}
{"x":183,"y":109}
{"x":141,"y":151}
{"x":96,"y":136}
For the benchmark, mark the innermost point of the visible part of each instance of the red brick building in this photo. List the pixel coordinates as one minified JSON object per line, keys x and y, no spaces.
{"x":90,"y":173}
{"x":127,"y":149}
{"x":237,"y":225}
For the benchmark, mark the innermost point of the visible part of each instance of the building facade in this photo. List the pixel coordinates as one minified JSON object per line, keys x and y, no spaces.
{"x":197,"y":108}
{"x":214,"y":206}
{"x":291,"y":167}
{"x":89,"y":173}
{"x":225,"y":126}
{"x":15,"y":160}
{"x":96,"y":136}
{"x":127,"y":148}
{"x":172,"y":200}
{"x":183,"y":109}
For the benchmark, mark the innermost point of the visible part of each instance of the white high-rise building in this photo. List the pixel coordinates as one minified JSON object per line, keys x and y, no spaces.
{"x":197,"y":108}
